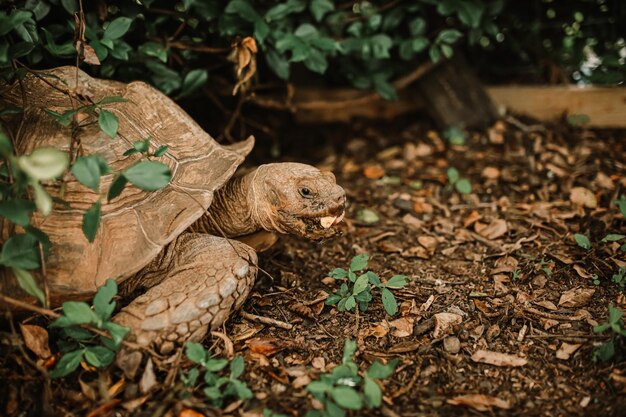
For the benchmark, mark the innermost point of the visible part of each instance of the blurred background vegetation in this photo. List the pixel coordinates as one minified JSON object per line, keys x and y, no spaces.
{"x":256,"y":45}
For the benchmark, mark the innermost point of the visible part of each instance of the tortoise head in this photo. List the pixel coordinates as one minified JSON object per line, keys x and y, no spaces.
{"x":298,"y":199}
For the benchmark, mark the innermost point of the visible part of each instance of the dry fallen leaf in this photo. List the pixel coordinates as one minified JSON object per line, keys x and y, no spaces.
{"x":36,"y":339}
{"x":373,"y":172}
{"x":566,"y":350}
{"x":504,"y":264}
{"x":576,"y":297}
{"x":148,"y":379}
{"x":428,"y":242}
{"x":497,"y":228}
{"x":480,"y":402}
{"x":403,"y":327}
{"x":497,"y":358}
{"x":378,"y":331}
{"x":264,"y":346}
{"x":444,"y":323}
{"x":582,"y":196}
{"x":491,"y":173}
{"x":188,"y":412}
{"x":472,"y":218}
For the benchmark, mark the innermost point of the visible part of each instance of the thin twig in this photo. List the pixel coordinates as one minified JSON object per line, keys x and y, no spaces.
{"x":266,"y":320}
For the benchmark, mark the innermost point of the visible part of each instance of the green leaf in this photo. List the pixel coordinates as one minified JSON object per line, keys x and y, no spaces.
{"x":621,"y":203}
{"x":242,"y":390}
{"x":154,"y":49}
{"x":380,"y":45}
{"x":333,"y":299}
{"x":605,"y":352}
{"x":349,"y":349}
{"x":117,"y":332}
{"x":196,"y":353}
{"x":372,"y":392}
{"x":193,"y":80}
{"x":611,"y":237}
{"x":379,"y":370}
{"x":347,"y":397}
{"x":582,"y":241}
{"x":117,"y":28}
{"x":89,"y":169}
{"x":447,"y":50}
{"x":449,"y":36}
{"x":453,"y":175}
{"x":350,"y":303}
{"x":361,"y":284}
{"x":396,"y":281}
{"x":373,"y":279}
{"x":17,"y":211}
{"x":161,"y":150}
{"x":316,"y":61}
{"x":78,"y":312}
{"x":148,"y":175}
{"x":99,"y":356}
{"x":417,"y":26}
{"x":244,"y":9}
{"x":277,"y":63}
{"x":283,"y":9}
{"x":359,"y":262}
{"x":103,"y":303}
{"x":319,"y":8}
{"x":237,"y":366}
{"x":389,"y":302}
{"x":463,"y":186}
{"x":91,"y":221}
{"x":43,"y":201}
{"x":338,"y":273}
{"x":67,"y":364}
{"x":215,"y":365}
{"x":306,"y":31}
{"x":116,"y":188}
{"x":28,"y":284}
{"x":20,"y":251}
{"x":44,"y":163}
{"x":434,"y":53}
{"x":108,"y":122}
{"x":318,"y":387}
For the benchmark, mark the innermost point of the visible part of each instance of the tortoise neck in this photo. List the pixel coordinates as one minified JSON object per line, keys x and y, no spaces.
{"x":234,"y":210}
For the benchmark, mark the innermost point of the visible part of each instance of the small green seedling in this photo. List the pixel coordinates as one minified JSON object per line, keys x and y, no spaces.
{"x":345,"y":388}
{"x":462,"y":185}
{"x":143,"y":147}
{"x":360,"y":294}
{"x":620,"y":278}
{"x":609,"y":349}
{"x":582,"y":241}
{"x":80,"y":343}
{"x":455,"y":136}
{"x":218,"y":384}
{"x":621,"y":203}
{"x":546,"y":266}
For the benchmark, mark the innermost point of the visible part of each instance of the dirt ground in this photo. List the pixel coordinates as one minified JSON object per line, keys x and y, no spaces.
{"x":502,"y":260}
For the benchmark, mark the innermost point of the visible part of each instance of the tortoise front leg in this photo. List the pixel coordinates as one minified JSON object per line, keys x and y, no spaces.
{"x":206,"y":279}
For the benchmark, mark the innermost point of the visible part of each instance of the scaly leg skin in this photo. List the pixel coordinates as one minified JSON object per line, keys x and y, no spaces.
{"x":206,"y":278}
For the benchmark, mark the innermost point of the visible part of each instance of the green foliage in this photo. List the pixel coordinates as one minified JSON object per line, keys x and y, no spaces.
{"x":362,"y":283}
{"x":22,"y":252}
{"x":345,"y":388}
{"x":79,"y":342}
{"x":366,"y":46}
{"x":462,"y":185}
{"x":582,"y":241}
{"x":218,"y":383}
{"x":614,"y":346}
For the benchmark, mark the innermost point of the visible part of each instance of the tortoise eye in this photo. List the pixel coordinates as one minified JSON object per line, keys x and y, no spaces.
{"x":305,"y":192}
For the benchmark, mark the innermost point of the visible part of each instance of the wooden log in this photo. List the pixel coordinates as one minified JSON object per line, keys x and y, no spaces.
{"x":455,"y":96}
{"x":605,"y":106}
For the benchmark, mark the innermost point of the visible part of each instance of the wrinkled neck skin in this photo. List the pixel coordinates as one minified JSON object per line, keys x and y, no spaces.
{"x":235,"y":210}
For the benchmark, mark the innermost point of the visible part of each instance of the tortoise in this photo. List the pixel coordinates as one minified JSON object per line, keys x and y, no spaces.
{"x":175,"y":244}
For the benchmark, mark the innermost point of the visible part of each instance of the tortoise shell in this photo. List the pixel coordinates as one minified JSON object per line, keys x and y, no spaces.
{"x":136,"y":225}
